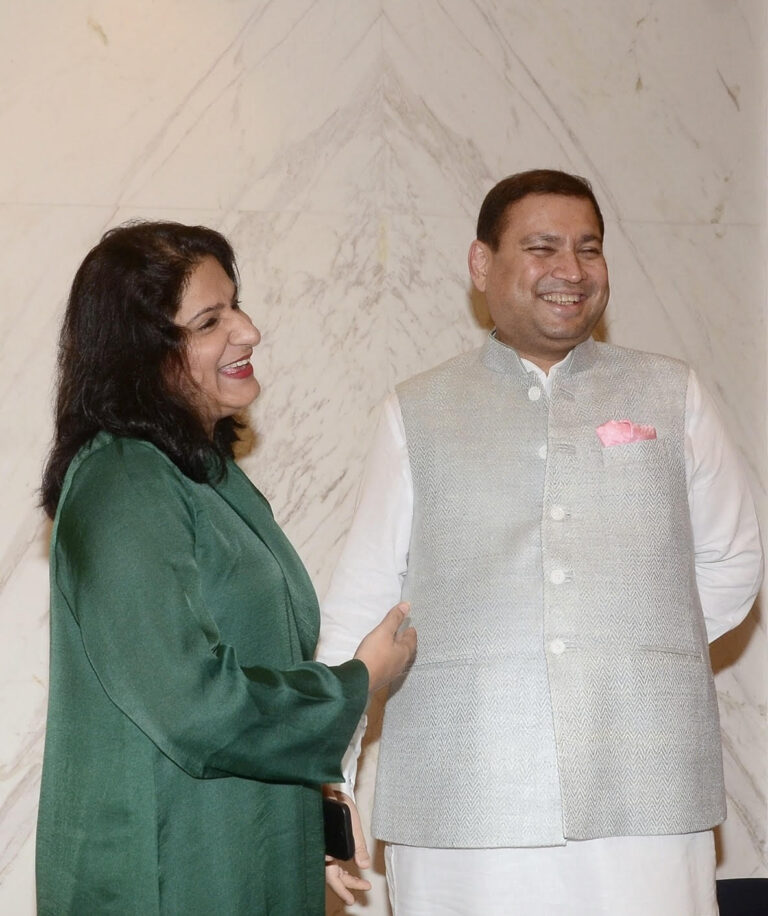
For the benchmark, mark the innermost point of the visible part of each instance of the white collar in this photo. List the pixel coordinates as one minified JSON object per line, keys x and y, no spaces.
{"x":546,"y":378}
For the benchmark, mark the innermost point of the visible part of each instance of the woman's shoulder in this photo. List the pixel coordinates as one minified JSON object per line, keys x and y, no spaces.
{"x":105,"y":452}
{"x":117,"y":467}
{"x":123,"y":496}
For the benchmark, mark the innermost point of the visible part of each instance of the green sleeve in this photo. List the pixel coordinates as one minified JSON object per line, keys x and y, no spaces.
{"x":124,"y":561}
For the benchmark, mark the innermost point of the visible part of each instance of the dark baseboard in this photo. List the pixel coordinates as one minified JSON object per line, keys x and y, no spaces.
{"x":743,"y":896}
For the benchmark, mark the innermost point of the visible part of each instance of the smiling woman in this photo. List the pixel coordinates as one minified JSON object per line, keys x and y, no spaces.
{"x":221,"y":341}
{"x":124,"y":354}
{"x":188,"y":727}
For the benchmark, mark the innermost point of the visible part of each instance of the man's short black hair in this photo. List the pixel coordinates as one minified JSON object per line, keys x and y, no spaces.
{"x":492,"y":220}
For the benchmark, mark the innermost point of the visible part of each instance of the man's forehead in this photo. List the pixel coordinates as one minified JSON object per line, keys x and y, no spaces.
{"x":554,"y":238}
{"x":550,"y":214}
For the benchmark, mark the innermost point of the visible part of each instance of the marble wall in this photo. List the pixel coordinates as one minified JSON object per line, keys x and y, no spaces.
{"x":345,"y":146}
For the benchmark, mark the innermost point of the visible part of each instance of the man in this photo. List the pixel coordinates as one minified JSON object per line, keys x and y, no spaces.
{"x":570,"y":525}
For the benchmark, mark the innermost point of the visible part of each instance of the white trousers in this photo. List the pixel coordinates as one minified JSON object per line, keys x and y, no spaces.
{"x":614,"y":876}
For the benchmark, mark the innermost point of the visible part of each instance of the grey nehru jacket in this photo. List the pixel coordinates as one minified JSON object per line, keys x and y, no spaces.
{"x":562,"y":687}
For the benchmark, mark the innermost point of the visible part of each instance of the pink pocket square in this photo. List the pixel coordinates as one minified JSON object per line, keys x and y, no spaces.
{"x":620,"y":432}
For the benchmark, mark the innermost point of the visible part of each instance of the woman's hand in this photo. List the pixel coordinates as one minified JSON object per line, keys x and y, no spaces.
{"x":340,"y":881}
{"x":385,"y":652}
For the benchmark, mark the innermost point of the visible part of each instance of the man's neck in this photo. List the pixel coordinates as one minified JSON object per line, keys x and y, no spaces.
{"x":544,"y":362}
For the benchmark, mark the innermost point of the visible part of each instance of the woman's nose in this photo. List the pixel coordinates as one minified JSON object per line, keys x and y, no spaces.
{"x":244,"y":331}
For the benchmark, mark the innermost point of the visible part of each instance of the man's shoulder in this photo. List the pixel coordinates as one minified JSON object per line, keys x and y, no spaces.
{"x":453,"y":368}
{"x":613,"y":355}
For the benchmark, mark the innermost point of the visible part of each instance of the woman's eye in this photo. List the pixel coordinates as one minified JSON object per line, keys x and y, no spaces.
{"x":208,"y":323}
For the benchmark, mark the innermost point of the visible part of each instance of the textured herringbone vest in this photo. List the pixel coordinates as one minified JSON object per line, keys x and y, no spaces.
{"x":562,"y":687}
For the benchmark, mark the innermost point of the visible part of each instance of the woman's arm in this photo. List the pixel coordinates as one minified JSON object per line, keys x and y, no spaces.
{"x":124,"y":561}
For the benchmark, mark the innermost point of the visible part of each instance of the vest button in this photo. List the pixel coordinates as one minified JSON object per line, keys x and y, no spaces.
{"x":557,"y":513}
{"x":557,"y":647}
{"x":557,"y":576}
{"x":534,"y":393}
{"x":543,"y":451}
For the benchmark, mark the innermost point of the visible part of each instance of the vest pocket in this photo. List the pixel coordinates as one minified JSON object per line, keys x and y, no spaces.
{"x":671,"y":650}
{"x":646,"y":450}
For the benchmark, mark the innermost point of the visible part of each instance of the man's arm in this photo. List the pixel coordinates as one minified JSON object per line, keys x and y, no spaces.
{"x":369,"y":575}
{"x":367,"y":580}
{"x":729,"y":557}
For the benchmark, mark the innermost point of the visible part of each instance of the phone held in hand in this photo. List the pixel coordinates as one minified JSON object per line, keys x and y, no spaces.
{"x":337,"y":819}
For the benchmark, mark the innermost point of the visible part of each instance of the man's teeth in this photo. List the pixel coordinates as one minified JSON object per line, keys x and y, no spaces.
{"x":561,"y":299}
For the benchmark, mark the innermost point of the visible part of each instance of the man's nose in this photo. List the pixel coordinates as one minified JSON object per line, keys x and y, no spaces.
{"x":568,"y":267}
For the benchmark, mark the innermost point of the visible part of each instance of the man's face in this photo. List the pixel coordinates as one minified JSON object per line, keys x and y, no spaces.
{"x":547,"y":285}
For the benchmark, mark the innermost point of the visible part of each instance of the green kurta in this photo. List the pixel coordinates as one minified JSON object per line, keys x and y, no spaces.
{"x":188,"y":729}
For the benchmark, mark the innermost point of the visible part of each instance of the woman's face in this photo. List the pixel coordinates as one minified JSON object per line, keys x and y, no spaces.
{"x":220,"y":339}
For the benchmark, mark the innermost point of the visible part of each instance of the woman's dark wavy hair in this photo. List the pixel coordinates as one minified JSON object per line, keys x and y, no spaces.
{"x":494,"y":212}
{"x":122,"y":365}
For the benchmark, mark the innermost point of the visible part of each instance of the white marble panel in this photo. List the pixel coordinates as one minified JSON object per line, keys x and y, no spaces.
{"x":286,"y":118}
{"x":40,"y":248}
{"x":660,"y":105}
{"x":694,"y":292}
{"x":432,"y":312}
{"x":237,"y":104}
{"x":740,"y":675}
{"x":345,"y":146}
{"x":23,"y":697}
{"x":320,"y":365}
{"x":88,"y":88}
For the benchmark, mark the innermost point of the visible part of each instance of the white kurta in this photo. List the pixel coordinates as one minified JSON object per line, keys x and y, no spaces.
{"x":614,"y":876}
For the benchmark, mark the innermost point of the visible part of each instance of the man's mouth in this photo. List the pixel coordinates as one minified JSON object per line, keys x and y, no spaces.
{"x":563,"y":298}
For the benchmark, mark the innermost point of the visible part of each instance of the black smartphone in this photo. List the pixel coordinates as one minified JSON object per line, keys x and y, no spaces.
{"x":337,"y":819}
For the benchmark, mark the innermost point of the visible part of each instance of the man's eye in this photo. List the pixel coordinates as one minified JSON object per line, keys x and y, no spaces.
{"x":541,"y":249}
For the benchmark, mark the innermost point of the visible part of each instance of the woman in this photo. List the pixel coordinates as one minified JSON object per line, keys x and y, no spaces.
{"x":188,"y":728}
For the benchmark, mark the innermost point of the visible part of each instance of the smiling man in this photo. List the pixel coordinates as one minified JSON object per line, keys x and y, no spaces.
{"x":571,"y":527}
{"x":544,"y":275}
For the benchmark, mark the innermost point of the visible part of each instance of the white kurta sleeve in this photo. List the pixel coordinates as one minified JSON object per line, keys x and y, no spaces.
{"x":369,"y":575}
{"x":728,"y":553}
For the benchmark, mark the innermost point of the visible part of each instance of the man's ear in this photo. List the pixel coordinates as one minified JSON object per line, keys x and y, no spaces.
{"x":479,"y":260}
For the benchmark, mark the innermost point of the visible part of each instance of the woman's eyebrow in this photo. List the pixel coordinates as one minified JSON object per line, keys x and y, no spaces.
{"x":203,"y":311}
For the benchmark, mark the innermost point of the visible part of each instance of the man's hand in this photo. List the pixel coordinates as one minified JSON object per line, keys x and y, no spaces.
{"x":340,"y":881}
